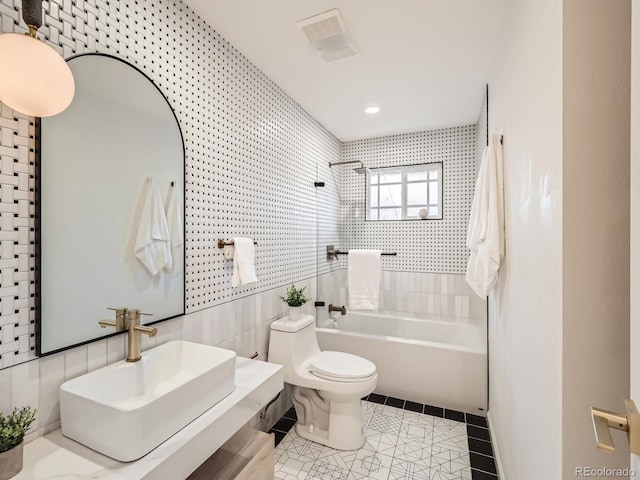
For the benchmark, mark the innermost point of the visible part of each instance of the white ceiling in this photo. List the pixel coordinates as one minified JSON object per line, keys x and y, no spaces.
{"x":424,"y":62}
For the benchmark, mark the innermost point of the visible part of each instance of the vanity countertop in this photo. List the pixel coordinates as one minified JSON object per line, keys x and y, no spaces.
{"x":57,"y":457}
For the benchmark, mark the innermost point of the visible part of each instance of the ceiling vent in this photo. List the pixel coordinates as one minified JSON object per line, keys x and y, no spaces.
{"x":327,"y":34}
{"x":324,"y":25}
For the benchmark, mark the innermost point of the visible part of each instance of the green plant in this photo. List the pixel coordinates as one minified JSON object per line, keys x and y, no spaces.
{"x":296,"y":297}
{"x":14,"y":426}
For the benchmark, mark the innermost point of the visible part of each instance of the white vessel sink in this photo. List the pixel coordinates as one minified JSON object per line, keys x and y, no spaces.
{"x":125,"y":410}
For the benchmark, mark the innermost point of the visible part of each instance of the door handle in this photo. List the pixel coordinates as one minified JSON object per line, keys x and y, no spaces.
{"x":603,"y":420}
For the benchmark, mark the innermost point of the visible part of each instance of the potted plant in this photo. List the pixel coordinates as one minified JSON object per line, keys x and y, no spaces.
{"x":12,"y":430}
{"x":296,"y":297}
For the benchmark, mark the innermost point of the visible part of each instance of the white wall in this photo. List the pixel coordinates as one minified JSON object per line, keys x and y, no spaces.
{"x":595,"y":231}
{"x":635,"y":212}
{"x":559,"y":320}
{"x":525,"y":329}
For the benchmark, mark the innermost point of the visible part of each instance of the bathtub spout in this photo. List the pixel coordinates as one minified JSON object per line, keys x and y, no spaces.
{"x":342,"y":309}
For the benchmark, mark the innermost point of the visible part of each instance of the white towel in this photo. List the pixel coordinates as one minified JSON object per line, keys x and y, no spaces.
{"x":364,"y":279}
{"x":244,"y":270}
{"x":175,"y":224}
{"x":485,"y":235}
{"x":152,"y":240}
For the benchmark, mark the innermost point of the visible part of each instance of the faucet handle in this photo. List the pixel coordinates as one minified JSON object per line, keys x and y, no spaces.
{"x":118,"y":310}
{"x":121,"y":319}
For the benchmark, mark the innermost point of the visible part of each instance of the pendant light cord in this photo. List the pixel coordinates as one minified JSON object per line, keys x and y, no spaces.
{"x":32,"y":13}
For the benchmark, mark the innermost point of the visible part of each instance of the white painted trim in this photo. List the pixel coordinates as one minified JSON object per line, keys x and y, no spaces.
{"x":494,"y":443}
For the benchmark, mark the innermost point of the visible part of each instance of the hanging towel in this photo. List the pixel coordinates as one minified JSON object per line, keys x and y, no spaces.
{"x":364,"y":279}
{"x":485,"y":235}
{"x":244,"y":270}
{"x":229,"y":252}
{"x":176,"y":236}
{"x":152,"y":240}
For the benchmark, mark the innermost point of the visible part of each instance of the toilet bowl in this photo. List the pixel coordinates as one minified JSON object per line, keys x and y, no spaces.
{"x":327,"y":386}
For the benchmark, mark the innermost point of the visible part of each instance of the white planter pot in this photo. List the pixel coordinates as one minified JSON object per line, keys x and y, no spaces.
{"x":295,"y":313}
{"x":11,"y":462}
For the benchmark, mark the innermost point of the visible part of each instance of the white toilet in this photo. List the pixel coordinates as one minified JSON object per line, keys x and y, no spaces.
{"x":327,"y":386}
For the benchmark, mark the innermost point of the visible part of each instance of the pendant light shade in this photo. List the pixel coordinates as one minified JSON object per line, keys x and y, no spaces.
{"x":35,"y":79}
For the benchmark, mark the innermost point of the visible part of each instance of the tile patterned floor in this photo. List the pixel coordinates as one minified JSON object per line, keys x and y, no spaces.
{"x":404,"y":440}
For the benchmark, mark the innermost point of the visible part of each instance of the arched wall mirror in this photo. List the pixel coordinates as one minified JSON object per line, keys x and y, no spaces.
{"x":96,"y":159}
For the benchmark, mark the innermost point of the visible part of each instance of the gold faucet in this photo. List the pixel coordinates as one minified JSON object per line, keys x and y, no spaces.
{"x":133,"y":338}
{"x":130,"y":320}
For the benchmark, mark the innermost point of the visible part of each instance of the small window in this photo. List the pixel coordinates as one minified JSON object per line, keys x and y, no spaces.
{"x":401,"y":193}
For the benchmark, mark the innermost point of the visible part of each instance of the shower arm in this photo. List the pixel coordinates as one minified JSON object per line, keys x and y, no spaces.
{"x":350,"y":162}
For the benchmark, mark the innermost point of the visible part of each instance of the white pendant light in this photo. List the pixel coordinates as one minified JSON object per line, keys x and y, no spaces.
{"x":35,"y":79}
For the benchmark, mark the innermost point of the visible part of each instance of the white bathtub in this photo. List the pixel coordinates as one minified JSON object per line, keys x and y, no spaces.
{"x":435,"y":362}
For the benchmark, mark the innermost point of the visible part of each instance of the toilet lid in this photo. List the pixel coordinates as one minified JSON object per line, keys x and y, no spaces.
{"x":340,"y":365}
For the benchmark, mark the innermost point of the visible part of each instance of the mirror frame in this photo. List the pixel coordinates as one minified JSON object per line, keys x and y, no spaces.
{"x":38,"y":232}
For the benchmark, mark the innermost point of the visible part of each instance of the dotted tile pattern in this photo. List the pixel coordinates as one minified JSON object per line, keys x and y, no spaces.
{"x":252,"y":153}
{"x":436,"y":246}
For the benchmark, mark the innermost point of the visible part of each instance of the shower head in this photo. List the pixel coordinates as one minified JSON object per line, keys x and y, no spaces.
{"x":360,"y":169}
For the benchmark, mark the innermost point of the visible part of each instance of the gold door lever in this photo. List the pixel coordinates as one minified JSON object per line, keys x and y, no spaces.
{"x":604,"y":419}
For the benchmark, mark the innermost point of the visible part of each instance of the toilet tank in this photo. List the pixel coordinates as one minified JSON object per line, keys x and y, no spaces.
{"x":291,"y":343}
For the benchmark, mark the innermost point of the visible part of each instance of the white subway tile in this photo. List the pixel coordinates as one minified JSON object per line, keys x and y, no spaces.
{"x":458,"y":307}
{"x":52,"y":375}
{"x":431,"y":280}
{"x":168,"y":331}
{"x":96,"y":355}
{"x":251,"y":313}
{"x":192,"y":327}
{"x":260,"y":316}
{"x":262,"y":338}
{"x":116,"y":349}
{"x":396,"y":281}
{"x":25,"y":387}
{"x":75,"y":362}
{"x":451,"y":284}
{"x":209,"y":319}
{"x":443,"y":285}
{"x":465,"y":307}
{"x":423,"y":283}
{"x":5,"y":390}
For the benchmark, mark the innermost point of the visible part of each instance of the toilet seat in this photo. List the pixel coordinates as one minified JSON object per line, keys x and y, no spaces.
{"x":341,"y":367}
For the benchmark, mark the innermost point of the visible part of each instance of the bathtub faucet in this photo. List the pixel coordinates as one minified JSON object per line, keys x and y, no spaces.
{"x":342,"y":309}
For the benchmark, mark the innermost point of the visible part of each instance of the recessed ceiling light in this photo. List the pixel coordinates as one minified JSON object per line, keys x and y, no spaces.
{"x":371,"y":110}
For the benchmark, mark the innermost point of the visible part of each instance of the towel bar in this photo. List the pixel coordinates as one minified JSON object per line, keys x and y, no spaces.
{"x":222,"y":243}
{"x":333,"y":253}
{"x":389,"y":254}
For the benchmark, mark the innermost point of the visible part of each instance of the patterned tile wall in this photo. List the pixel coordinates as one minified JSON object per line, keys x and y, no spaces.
{"x":252,"y":154}
{"x":436,"y":246}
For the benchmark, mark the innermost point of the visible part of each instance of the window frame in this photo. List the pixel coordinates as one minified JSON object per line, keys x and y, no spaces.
{"x":404,"y":170}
